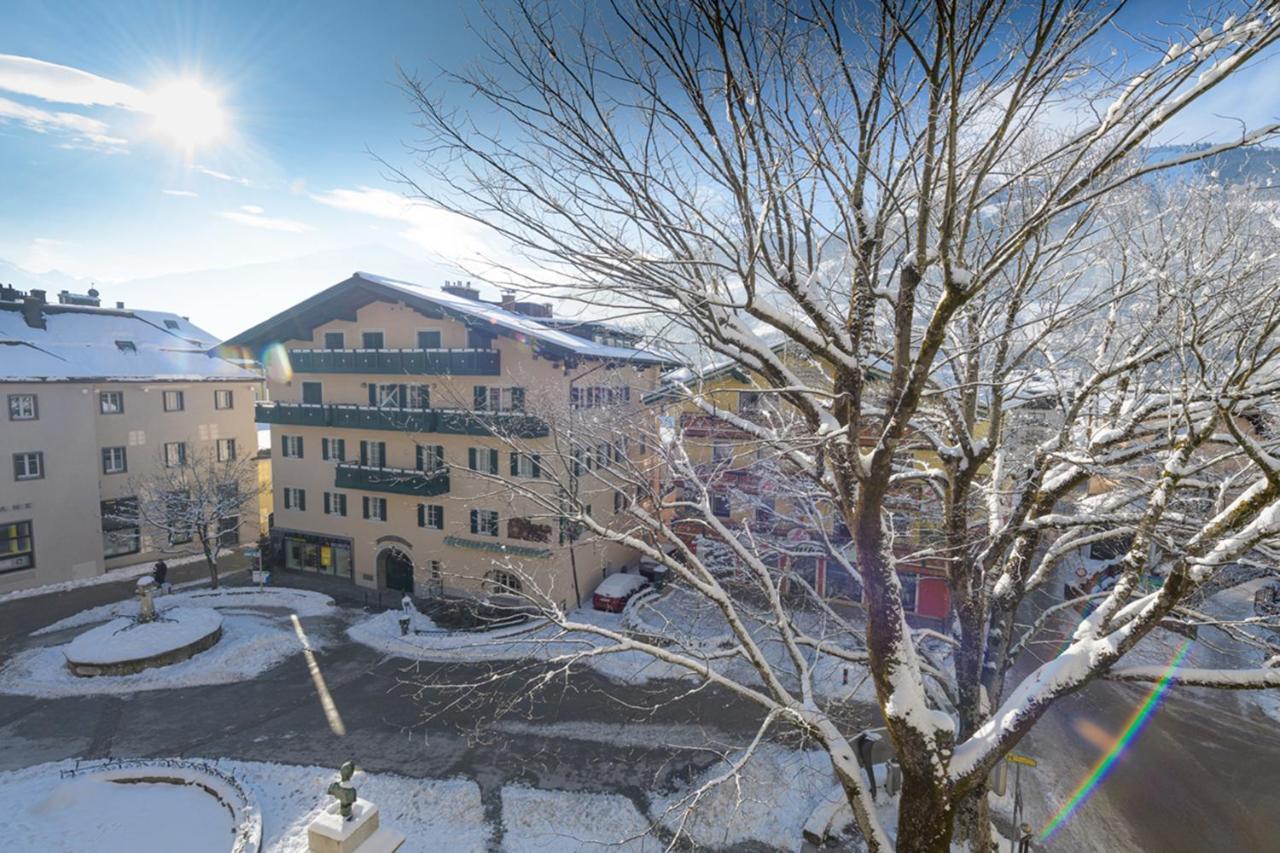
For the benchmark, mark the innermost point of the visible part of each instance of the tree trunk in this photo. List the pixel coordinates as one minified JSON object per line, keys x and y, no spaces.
{"x":973,"y":819}
{"x":924,"y":816}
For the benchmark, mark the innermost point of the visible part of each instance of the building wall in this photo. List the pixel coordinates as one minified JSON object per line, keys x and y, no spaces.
{"x":65,"y":506}
{"x":464,"y":569}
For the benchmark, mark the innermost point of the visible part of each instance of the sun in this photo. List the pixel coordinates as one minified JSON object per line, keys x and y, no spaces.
{"x":188,"y":113}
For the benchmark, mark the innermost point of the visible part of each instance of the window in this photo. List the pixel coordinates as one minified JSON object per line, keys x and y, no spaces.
{"x":226,"y":449}
{"x":335,"y":340}
{"x":720,"y":505}
{"x":111,"y":402}
{"x":371,"y":340}
{"x":114,"y":460}
{"x":489,"y":399}
{"x":430,"y":457}
{"x":312,"y":393}
{"x":479,"y":339}
{"x":599,"y":395}
{"x":431,"y":515}
{"x":910,"y":590}
{"x":750,"y":402}
{"x":482,"y":459}
{"x":171,"y":324}
{"x":291,"y":446}
{"x":619,"y":502}
{"x":526,"y":465}
{"x":335,"y":503}
{"x":22,"y":407}
{"x":333,"y":449}
{"x":222,"y":399}
{"x":173,"y":401}
{"x":175,"y":454}
{"x":17,"y":546}
{"x":484,"y":522}
{"x":721,"y":453}
{"x":121,"y":527}
{"x":373,"y":454}
{"x":375,"y":509}
{"x":28,"y":466}
{"x":229,"y":531}
{"x":295,"y":498}
{"x":498,"y":581}
{"x":528,"y":530}
{"x":126,"y":346}
{"x":400,"y":396}
{"x":429,"y":340}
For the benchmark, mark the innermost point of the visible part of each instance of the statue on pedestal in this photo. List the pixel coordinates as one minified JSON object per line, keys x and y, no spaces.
{"x":146,"y":606}
{"x":343,"y":791}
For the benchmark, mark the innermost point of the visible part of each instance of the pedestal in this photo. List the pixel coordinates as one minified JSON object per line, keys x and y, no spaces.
{"x":329,"y":833}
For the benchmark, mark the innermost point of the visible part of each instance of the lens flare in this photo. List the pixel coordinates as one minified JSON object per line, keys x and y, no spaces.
{"x":1131,"y":731}
{"x":275,"y":361}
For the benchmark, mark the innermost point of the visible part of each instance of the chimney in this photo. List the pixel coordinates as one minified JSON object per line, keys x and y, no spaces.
{"x":466,"y":291}
{"x":119,"y":306}
{"x":508,"y":300}
{"x":33,"y":309}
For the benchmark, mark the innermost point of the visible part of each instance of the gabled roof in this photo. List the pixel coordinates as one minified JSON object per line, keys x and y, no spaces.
{"x":346,"y":297}
{"x":86,"y":343}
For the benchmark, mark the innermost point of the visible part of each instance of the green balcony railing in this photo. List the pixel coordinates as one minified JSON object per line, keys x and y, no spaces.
{"x":407,"y":362}
{"x":446,"y":421}
{"x":397,"y":481}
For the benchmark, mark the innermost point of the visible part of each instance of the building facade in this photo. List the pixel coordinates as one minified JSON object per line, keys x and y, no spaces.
{"x":96,"y":400}
{"x":417,"y":438}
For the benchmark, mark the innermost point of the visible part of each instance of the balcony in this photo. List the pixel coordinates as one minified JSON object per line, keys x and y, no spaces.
{"x":446,"y":421}
{"x":396,"y":481}
{"x":401,"y":362}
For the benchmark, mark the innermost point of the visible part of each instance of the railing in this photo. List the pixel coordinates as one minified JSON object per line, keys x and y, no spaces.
{"x":447,"y":421}
{"x":434,"y":362}
{"x":398,"y":481}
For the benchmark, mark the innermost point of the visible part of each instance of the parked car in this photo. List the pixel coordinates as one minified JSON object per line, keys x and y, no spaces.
{"x":616,"y":590}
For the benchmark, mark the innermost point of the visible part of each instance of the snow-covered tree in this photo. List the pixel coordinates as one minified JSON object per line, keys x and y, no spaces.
{"x":954,"y":216}
{"x":193,"y":497}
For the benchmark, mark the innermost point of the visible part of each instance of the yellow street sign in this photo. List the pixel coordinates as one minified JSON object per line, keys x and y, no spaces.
{"x":1021,"y":759}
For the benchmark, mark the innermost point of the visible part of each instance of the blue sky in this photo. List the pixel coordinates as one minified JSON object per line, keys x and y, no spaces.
{"x":90,"y":189}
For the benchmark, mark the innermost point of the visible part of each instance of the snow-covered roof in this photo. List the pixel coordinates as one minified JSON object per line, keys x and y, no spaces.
{"x":364,"y":287}
{"x":84,"y":343}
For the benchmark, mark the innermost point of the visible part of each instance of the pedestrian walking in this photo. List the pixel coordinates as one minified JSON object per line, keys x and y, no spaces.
{"x":160,"y":572}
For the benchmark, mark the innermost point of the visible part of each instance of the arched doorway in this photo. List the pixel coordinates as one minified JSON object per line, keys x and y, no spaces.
{"x":396,"y":569}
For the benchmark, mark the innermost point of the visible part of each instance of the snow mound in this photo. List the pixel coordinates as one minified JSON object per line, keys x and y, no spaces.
{"x":569,"y":822}
{"x":124,"y":639}
{"x":250,"y":645}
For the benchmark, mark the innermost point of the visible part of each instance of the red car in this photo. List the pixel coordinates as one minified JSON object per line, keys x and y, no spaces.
{"x":616,"y":590}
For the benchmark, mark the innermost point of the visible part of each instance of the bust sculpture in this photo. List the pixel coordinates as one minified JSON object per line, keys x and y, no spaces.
{"x":343,"y":791}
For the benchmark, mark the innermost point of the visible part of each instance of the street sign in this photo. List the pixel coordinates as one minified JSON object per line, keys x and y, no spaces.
{"x":1021,"y":759}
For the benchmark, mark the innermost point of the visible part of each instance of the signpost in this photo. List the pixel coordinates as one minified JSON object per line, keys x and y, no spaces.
{"x":1021,"y":761}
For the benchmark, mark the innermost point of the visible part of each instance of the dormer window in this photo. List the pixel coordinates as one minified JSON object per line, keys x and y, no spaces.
{"x":126,"y":346}
{"x":171,"y":324}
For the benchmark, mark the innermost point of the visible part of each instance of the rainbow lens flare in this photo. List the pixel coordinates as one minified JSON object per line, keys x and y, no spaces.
{"x":275,"y":362}
{"x":1131,"y":731}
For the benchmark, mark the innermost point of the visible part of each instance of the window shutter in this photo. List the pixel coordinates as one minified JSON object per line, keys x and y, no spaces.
{"x":493,"y":462}
{"x":328,"y":503}
{"x":288,"y":504}
{"x":341,"y":452}
{"x":421,"y":467}
{"x":364,"y":452}
{"x":300,"y":453}
{"x":302,"y":500}
{"x":284,"y":445}
{"x":515,"y":464}
{"x":439,"y":455}
{"x":403,"y":398}
{"x":517,"y":399}
{"x":324,"y":451}
{"x":342,"y":505}
{"x":471,"y":458}
{"x":373,"y":393}
{"x":480,"y":398}
{"x":365,"y":506}
{"x":475,"y":528}
{"x":537,"y":465}
{"x":422,"y":515}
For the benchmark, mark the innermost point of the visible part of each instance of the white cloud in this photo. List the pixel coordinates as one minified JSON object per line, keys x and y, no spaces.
{"x":223,"y":176}
{"x":252,"y":216}
{"x":180,"y":193}
{"x":45,"y":255}
{"x":83,"y":130}
{"x":62,"y":84}
{"x":446,"y":234}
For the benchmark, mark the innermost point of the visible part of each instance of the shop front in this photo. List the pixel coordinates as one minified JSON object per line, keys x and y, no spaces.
{"x":313,"y":553}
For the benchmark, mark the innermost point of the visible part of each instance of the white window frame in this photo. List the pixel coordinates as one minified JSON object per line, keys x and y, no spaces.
{"x":181,"y":453}
{"x":103,"y":396}
{"x":180,"y":397}
{"x":225,"y":449}
{"x":218,"y":396}
{"x":32,"y":462}
{"x":290,"y":446}
{"x":19,"y":412}
{"x":294,"y":497}
{"x":109,"y":454}
{"x":483,"y":517}
{"x":430,"y":513}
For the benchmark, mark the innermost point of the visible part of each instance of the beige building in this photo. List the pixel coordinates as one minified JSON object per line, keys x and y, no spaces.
{"x":410,"y":427}
{"x":94,"y":398}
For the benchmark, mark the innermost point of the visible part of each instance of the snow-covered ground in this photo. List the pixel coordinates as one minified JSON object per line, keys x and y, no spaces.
{"x":250,"y":645}
{"x":123,"y":573}
{"x":49,"y":813}
{"x":537,"y":821}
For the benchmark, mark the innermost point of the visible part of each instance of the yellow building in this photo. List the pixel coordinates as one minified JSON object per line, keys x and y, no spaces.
{"x":411,"y":430}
